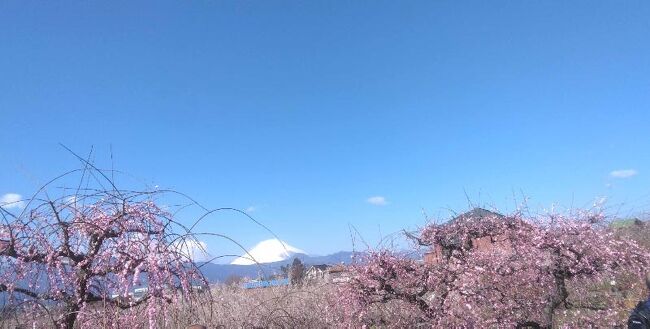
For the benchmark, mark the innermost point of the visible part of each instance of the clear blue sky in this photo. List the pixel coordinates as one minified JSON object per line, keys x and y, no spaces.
{"x":306,"y":109}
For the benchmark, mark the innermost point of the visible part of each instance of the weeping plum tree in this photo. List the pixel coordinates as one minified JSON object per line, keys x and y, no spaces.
{"x":74,"y":260}
{"x":493,"y":270}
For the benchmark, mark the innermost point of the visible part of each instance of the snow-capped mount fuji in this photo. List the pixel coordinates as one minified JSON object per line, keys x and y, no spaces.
{"x":268,"y":251}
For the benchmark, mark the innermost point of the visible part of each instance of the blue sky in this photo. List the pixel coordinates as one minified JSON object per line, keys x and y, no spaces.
{"x":304,"y":111}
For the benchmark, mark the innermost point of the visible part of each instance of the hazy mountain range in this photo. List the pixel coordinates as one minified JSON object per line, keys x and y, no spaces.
{"x":220,"y":272}
{"x":270,"y":255}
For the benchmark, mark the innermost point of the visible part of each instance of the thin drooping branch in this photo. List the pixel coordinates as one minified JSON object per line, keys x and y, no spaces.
{"x":95,"y":251}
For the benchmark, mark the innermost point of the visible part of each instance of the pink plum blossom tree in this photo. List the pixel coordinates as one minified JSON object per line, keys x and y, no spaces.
{"x":77,"y":259}
{"x":532,"y":270}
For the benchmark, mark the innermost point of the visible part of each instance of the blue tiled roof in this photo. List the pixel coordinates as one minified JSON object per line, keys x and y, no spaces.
{"x":264,"y":284}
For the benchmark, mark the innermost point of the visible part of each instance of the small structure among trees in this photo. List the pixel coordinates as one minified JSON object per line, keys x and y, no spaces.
{"x":324,"y":273}
{"x":478,"y":240}
{"x":317,"y":273}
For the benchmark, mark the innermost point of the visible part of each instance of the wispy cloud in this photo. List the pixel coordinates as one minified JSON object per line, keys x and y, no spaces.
{"x":377,"y":200}
{"x":600,"y":201}
{"x":251,"y":209}
{"x":71,"y":200}
{"x":12,"y":200}
{"x":623,"y":173}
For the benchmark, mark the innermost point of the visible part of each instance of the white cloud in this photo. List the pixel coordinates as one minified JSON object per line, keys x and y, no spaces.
{"x":12,"y":200}
{"x":623,"y":173}
{"x":600,"y":201}
{"x":70,"y":200}
{"x":377,"y":200}
{"x":251,"y":209}
{"x":196,"y":250}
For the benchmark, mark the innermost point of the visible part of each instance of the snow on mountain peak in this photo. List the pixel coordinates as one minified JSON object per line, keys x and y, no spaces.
{"x":267,"y":251}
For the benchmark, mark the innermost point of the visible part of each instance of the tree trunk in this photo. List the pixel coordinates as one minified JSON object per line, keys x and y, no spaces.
{"x":559,"y":299}
{"x":69,"y":318}
{"x":529,"y":325}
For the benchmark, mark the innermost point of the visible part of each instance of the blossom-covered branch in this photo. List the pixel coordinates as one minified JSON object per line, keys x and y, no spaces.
{"x":487,"y":269}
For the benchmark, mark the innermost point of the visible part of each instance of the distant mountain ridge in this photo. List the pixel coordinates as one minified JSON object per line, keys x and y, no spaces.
{"x":220,"y":272}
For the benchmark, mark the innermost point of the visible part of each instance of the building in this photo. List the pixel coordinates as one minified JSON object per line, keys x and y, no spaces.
{"x":478,"y":240}
{"x":317,"y":273}
{"x":327,"y":274}
{"x":265,"y":283}
{"x":339,"y":274}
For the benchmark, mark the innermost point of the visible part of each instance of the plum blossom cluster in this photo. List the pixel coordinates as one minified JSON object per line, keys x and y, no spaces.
{"x":77,"y":261}
{"x":533,"y":273}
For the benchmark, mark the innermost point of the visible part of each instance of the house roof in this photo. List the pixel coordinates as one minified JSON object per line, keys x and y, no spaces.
{"x":476,"y":214}
{"x":321,"y":267}
{"x":337,"y":268}
{"x":471,"y":219}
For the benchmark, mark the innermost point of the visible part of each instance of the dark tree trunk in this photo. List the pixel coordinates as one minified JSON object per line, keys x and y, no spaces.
{"x":561,"y":298}
{"x":69,"y":318}
{"x":528,"y":325}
